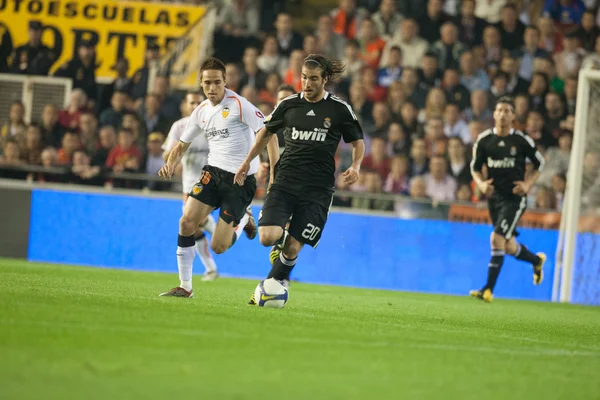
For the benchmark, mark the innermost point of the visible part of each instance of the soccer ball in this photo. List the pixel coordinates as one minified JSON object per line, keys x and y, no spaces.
{"x":271,"y":293}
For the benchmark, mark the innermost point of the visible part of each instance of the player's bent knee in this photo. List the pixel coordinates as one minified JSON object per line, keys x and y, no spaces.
{"x":218,"y":247}
{"x":511,"y":246}
{"x":269,"y":235}
{"x":498,"y":241}
{"x":187,"y":227}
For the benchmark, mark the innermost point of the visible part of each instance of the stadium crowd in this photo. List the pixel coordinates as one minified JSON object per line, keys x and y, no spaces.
{"x":422,"y":76}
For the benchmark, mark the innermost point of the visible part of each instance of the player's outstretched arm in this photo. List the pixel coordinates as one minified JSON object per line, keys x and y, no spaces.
{"x":174,"y":159}
{"x":358,"y":153}
{"x":262,"y":139}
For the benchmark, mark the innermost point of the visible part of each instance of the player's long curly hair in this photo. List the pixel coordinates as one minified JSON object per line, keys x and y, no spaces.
{"x":330,"y":69}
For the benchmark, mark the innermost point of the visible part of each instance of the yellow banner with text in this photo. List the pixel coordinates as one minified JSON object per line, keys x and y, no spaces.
{"x":117,"y":28}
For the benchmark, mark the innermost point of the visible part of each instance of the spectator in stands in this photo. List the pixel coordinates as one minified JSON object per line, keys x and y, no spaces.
{"x":113,"y":116}
{"x":547,"y":67}
{"x":409,"y":121}
{"x":413,"y":47}
{"x":448,"y":49}
{"x":566,"y":13}
{"x":387,"y":19}
{"x":378,"y":160}
{"x":528,"y":52}
{"x":418,"y":188}
{"x":419,"y":162}
{"x":479,"y":109}
{"x":570,"y":93}
{"x":125,"y":157}
{"x":142,"y":75}
{"x":374,"y":92}
{"x":269,"y":93}
{"x":88,"y":132}
{"x":6,"y":48}
{"x":122,"y":82}
{"x":554,"y":113}
{"x":33,"y":58}
{"x":392,"y":70}
{"x":346,"y":19}
{"x":371,"y":45}
{"x":568,"y":61}
{"x":492,"y":46}
{"x":454,"y":126}
{"x":475,"y":129}
{"x":15,"y":128}
{"x":433,"y":21}
{"x":398,"y":140}
{"x":310,"y":45}
{"x":395,"y":98}
{"x":536,"y":129}
{"x":511,"y":29}
{"x":458,"y":165}
{"x":362,"y":106}
{"x":33,"y":146}
{"x":70,"y":143}
{"x":435,"y":138}
{"x":455,"y":92}
{"x":559,"y":185}
{"x":328,"y":41}
{"x":413,"y":91}
{"x":464,"y":193}
{"x":11,"y":157}
{"x":521,"y":111}
{"x":397,"y":181}
{"x":516,"y":85}
{"x":499,"y":87}
{"x":287,"y":38}
{"x":68,"y":118}
{"x":434,"y":105}
{"x":49,"y":159}
{"x":471,"y":77}
{"x":381,"y":121}
{"x":234,"y":77}
{"x":82,"y":70}
{"x":252,"y":75}
{"x":292,"y":76}
{"x":544,"y":198}
{"x":354,"y":64}
{"x":439,"y":185}
{"x":250,"y":93}
{"x":269,"y":59}
{"x":153,"y":160}
{"x":152,"y":117}
{"x":429,"y":73}
{"x":132,"y":122}
{"x":489,"y":10}
{"x":551,"y":39}
{"x":537,"y":90}
{"x":82,"y":173}
{"x":470,"y":27}
{"x":557,"y":159}
{"x":169,"y":101}
{"x":52,"y":131}
{"x":588,"y":31}
{"x":108,"y":140}
{"x":373,"y":185}
{"x":240,"y":19}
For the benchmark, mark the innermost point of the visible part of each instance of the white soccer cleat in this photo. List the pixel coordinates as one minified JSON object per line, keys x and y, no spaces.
{"x":210,"y":276}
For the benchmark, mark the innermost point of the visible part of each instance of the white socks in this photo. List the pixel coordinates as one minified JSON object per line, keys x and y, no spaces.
{"x":209,"y":225}
{"x":203,"y":250}
{"x":185,"y":260}
{"x":240,"y":228}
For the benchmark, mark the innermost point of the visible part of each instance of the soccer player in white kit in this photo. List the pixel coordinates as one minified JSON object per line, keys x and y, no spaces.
{"x":229,"y":123}
{"x":192,"y":163}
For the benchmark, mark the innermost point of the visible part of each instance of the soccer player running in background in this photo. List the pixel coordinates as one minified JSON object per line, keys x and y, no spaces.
{"x":505,"y":151}
{"x":229,"y":123}
{"x":194,"y":159}
{"x":314,"y":121}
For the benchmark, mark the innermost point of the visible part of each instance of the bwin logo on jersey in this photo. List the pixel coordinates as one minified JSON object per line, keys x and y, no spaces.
{"x":507,"y":162}
{"x":316,"y":135}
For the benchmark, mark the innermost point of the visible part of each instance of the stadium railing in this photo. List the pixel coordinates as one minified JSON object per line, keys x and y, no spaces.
{"x":34,"y":92}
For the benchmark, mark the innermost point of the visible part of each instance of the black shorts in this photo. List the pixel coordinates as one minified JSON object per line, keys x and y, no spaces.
{"x":217,"y":189}
{"x":505,"y":214}
{"x":308,"y":213}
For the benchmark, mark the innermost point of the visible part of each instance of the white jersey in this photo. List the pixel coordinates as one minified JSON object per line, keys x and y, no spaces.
{"x":194,"y":159}
{"x":230,"y":129}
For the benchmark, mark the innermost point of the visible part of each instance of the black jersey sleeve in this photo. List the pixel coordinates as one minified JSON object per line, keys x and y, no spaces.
{"x":532,"y":152}
{"x":276,"y":120}
{"x":478,"y":154}
{"x":350,"y":127}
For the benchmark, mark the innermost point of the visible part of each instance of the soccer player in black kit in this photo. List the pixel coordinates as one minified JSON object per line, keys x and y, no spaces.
{"x":505,"y":151}
{"x":314,"y":121}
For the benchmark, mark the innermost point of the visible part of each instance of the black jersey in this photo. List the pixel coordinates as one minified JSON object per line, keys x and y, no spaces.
{"x":505,"y":157}
{"x":312,"y":132}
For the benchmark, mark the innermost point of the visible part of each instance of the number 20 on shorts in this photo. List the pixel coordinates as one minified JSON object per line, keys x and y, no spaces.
{"x":311,"y":232}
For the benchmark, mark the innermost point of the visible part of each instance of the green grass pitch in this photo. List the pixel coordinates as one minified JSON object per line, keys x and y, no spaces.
{"x":87,"y":333}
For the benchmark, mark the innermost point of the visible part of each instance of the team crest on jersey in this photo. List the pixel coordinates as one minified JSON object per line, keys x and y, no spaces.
{"x":513,"y":151}
{"x":327,"y":123}
{"x":197,"y":189}
{"x":225,"y":112}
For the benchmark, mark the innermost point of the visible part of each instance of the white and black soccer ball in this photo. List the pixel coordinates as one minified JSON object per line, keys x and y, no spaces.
{"x":271,"y":293}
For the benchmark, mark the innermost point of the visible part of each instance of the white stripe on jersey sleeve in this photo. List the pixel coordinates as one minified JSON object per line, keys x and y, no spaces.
{"x":483,"y":134}
{"x":538,"y":154}
{"x":292,"y":96}
{"x":348,"y":106}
